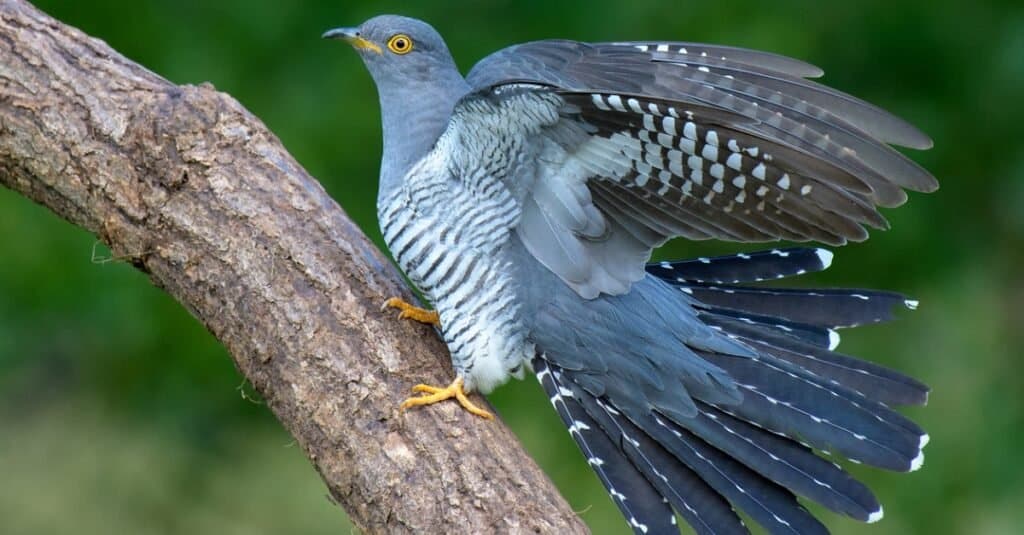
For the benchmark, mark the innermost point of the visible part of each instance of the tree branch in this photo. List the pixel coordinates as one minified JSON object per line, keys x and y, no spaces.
{"x":194,"y":191}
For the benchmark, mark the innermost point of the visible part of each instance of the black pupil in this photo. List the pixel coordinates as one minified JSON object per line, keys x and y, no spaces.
{"x":400,"y":44}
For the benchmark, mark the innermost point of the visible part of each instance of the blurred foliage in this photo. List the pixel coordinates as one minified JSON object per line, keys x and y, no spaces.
{"x":120,"y":413}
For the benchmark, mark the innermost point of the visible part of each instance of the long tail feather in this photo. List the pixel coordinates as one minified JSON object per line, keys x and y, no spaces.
{"x":712,"y":282}
{"x":769,"y":504}
{"x":712,"y":398}
{"x":809,"y":334}
{"x":788,"y":463}
{"x":694,"y":477}
{"x":822,"y":307}
{"x":872,"y":380}
{"x":645,"y":509}
{"x":703,"y":508}
{"x":788,"y":400}
{"x":744,"y":267}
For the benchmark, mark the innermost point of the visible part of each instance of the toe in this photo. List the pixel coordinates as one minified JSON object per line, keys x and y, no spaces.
{"x":427,"y":388}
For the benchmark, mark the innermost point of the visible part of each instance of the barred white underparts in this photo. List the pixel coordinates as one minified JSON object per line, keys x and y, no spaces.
{"x":448,"y":227}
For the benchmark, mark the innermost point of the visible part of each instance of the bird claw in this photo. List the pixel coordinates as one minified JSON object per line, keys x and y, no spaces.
{"x":434,"y":394}
{"x":407,"y":311}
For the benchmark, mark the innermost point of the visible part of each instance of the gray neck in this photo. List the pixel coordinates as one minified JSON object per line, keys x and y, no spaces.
{"x":412,"y":125}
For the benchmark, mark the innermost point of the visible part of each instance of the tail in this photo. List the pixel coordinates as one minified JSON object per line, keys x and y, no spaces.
{"x":704,"y":428}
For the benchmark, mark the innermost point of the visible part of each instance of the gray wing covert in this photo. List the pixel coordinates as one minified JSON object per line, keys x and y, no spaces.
{"x":512,"y":148}
{"x":655,"y":140}
{"x":483,"y":149}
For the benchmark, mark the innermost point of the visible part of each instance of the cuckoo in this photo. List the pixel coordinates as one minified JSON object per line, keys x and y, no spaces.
{"x":524,"y":201}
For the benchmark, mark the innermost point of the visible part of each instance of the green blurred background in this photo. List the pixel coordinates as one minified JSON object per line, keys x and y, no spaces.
{"x":119,"y":413}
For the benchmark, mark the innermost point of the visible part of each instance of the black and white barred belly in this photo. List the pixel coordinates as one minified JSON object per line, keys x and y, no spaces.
{"x":453,"y":247}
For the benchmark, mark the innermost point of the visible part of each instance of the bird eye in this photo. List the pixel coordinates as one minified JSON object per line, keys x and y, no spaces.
{"x":400,"y":44}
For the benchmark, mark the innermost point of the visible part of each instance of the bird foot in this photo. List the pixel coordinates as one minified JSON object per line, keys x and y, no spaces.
{"x":433,"y":394}
{"x":412,"y":312}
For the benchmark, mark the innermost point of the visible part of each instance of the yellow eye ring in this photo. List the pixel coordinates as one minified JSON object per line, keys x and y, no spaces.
{"x":400,"y":44}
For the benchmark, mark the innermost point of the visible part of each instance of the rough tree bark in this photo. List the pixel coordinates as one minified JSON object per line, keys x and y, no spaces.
{"x":194,"y":191}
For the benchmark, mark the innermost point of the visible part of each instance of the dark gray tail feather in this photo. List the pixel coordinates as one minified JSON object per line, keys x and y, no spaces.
{"x":699,"y":467}
{"x":758,"y":454}
{"x":822,"y":307}
{"x":807,"y":333}
{"x":873,"y":381}
{"x":643,"y":506}
{"x":744,"y":267}
{"x":795,"y":325}
{"x":696,"y":479}
{"x":787,"y":399}
{"x":712,"y":281}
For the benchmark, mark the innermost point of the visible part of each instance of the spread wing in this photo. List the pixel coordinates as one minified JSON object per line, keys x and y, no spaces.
{"x":631,"y":144}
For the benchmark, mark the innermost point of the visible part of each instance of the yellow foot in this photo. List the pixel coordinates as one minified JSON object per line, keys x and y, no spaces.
{"x":421,"y":315}
{"x":433,"y":394}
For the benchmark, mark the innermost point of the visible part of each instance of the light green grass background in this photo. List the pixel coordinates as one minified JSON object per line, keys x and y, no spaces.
{"x":119,"y":413}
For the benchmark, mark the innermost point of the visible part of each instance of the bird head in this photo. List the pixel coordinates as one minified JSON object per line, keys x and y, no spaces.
{"x":398,"y":50}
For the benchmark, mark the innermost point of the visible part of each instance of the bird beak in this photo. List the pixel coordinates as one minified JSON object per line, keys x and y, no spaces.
{"x":351,"y":36}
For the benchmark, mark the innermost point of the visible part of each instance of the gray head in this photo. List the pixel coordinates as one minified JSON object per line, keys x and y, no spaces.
{"x":399,"y":50}
{"x":417,"y":81}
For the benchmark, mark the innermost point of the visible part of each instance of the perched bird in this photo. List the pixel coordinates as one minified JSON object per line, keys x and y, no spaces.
{"x":524,"y":201}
